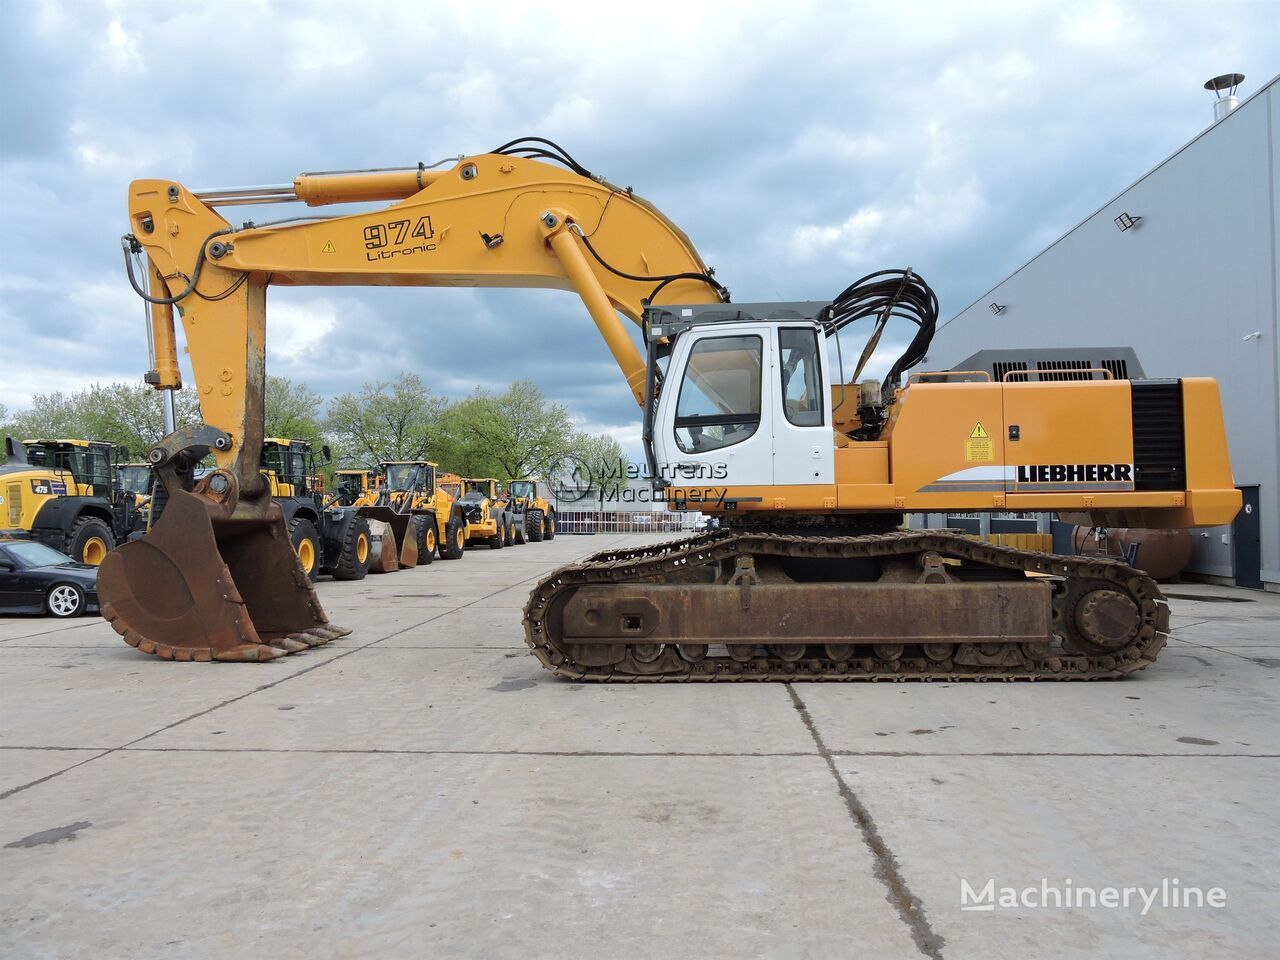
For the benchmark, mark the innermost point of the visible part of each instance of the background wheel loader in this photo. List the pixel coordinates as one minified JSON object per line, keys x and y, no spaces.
{"x":327,"y":537}
{"x":535,"y":516}
{"x":423,"y":516}
{"x":66,"y":494}
{"x":487,"y":520}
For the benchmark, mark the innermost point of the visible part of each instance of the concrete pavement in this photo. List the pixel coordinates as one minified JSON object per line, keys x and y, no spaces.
{"x":422,"y":788}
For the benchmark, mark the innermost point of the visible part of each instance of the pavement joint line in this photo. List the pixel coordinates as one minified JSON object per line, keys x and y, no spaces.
{"x":64,"y":629}
{"x":1188,"y":626}
{"x":57,"y":773}
{"x":904,"y":754}
{"x":266,"y":686}
{"x":374,"y":751}
{"x":908,"y":905}
{"x":1209,"y":646}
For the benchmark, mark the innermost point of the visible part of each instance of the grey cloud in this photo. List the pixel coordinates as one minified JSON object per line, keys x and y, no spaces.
{"x":966,"y":136}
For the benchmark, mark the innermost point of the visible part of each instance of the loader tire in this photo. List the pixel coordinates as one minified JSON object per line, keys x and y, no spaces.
{"x":498,"y":540}
{"x":549,"y":527}
{"x":534,"y":521}
{"x":88,"y":541}
{"x":306,"y":544}
{"x":455,"y":539}
{"x":517,"y":531}
{"x":424,"y":528}
{"x":353,"y":561}
{"x":508,"y":532}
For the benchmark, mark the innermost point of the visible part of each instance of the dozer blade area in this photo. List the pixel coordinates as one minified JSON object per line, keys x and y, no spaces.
{"x":403,"y":526}
{"x":384,"y":554}
{"x":204,"y":586}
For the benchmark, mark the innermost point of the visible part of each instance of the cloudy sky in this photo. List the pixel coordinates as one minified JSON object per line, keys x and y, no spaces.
{"x":800,"y":145}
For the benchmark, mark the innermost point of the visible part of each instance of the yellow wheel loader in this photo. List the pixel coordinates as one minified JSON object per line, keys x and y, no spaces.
{"x":752,"y":412}
{"x":535,"y":516}
{"x":327,"y":536}
{"x":487,"y":520}
{"x":67,"y":495}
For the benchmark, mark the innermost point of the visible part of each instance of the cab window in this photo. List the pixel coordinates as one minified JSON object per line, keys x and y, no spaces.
{"x":402,"y":477}
{"x":719,"y":402}
{"x":801,"y":376}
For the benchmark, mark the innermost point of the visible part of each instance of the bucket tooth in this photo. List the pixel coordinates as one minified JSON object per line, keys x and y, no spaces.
{"x":204,"y":585}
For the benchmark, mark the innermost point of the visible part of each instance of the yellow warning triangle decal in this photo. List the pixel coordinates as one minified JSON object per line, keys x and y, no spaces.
{"x":978,"y":432}
{"x":328,"y":247}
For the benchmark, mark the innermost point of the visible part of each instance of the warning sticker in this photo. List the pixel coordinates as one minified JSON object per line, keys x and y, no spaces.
{"x":328,"y":247}
{"x":978,"y":448}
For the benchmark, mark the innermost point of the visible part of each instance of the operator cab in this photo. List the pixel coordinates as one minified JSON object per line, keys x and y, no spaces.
{"x":524,"y":489}
{"x":88,"y":461}
{"x":135,"y":478}
{"x":744,"y":398}
{"x":416,"y":476}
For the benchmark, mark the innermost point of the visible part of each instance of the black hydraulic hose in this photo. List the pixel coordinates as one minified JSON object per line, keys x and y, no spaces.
{"x":128,"y":242}
{"x":662,"y":280}
{"x":522,"y":145}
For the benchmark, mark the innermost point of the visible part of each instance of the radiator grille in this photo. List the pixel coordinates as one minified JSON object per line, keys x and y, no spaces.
{"x":1119,"y":369}
{"x":1159,"y":450}
{"x":1002,"y":367}
{"x":1064,"y":370}
{"x":15,"y":504}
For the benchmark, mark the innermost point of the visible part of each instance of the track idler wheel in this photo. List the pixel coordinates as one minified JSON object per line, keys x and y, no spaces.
{"x":204,"y":586}
{"x":1106,"y":621}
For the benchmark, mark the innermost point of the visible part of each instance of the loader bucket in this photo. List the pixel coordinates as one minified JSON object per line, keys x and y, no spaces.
{"x":204,"y":586}
{"x":382,"y":557}
{"x":402,"y":526}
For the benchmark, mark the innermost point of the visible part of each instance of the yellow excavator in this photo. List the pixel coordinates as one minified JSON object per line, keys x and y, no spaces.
{"x":749,"y":415}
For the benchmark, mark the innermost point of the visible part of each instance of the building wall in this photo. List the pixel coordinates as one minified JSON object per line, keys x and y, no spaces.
{"x":1184,"y":288}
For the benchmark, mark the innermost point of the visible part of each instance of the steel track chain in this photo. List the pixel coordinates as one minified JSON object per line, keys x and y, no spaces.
{"x":653,"y":563}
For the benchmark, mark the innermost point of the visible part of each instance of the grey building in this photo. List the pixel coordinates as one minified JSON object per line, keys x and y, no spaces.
{"x":1182,"y":266}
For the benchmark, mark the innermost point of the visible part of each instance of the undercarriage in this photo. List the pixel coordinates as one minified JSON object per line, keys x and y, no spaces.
{"x":769,"y":605}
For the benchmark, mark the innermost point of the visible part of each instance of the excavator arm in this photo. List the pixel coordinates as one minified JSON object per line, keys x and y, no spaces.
{"x":217,"y":580}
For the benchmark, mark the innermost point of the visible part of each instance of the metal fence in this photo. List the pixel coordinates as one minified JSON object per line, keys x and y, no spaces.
{"x":595,"y":521}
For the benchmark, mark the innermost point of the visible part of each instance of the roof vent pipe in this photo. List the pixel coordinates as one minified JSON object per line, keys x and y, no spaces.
{"x":1224,"y":90}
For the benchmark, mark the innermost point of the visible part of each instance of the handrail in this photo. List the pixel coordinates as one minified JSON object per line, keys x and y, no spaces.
{"x":1058,"y":375}
{"x":915,"y":377}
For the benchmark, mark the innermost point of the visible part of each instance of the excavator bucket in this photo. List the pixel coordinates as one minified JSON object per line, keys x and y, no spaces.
{"x":383,"y":556}
{"x":204,"y":586}
{"x":403,"y":527}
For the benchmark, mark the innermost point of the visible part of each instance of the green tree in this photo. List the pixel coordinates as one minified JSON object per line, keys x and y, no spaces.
{"x":517,"y":433}
{"x":293,"y":411}
{"x":126,"y":414}
{"x":386,"y":420}
{"x":603,"y":459}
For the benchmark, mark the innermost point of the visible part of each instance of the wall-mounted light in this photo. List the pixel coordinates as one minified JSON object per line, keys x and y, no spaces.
{"x":996,"y":308}
{"x":1256,"y":335}
{"x":1125,"y":222}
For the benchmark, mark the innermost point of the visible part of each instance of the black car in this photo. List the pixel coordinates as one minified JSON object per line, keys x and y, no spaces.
{"x":35,"y":579}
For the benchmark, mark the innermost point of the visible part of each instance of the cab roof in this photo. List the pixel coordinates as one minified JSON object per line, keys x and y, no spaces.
{"x":67,"y":443}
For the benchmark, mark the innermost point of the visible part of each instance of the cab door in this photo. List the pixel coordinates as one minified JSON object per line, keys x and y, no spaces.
{"x":803,"y":451}
{"x":714,"y":424}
